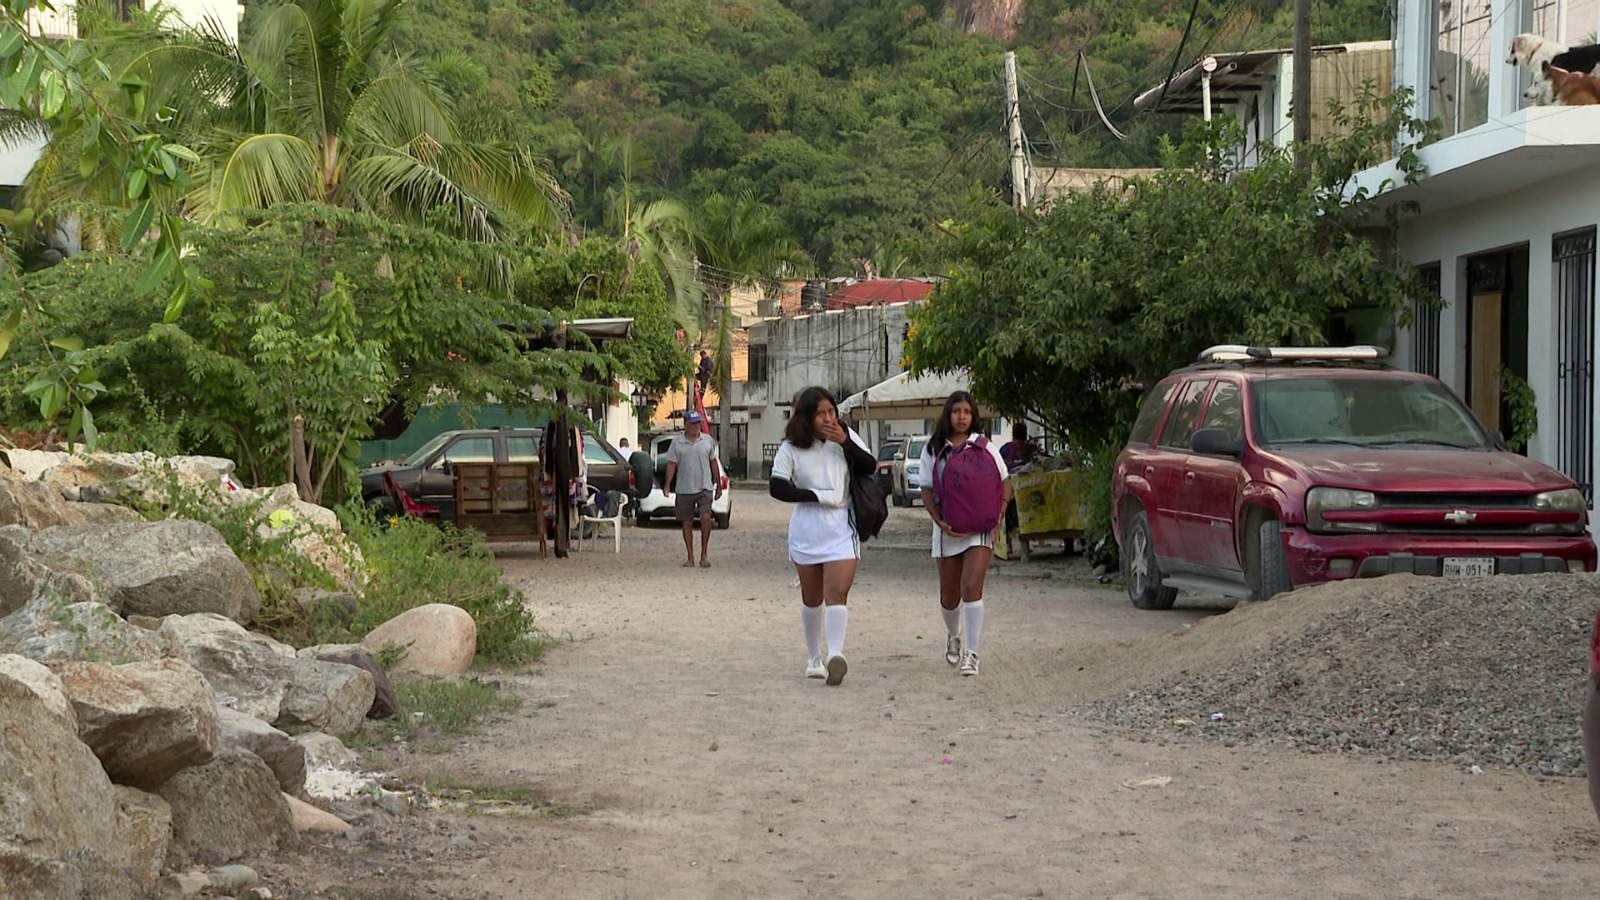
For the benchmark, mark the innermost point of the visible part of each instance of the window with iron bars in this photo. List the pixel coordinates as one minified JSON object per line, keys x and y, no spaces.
{"x":1425,"y":323}
{"x":1573,"y":258}
{"x":757,"y":372}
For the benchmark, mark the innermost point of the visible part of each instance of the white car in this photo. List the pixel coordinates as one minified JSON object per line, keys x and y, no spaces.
{"x":907,"y":471}
{"x":656,"y":505}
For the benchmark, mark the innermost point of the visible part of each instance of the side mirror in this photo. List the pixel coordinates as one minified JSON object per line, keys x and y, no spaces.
{"x":1499,"y":441}
{"x":1215,"y":442}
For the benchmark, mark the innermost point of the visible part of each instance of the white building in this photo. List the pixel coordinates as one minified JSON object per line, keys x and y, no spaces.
{"x":1506,"y":219}
{"x":15,"y":161}
{"x":1506,"y":213}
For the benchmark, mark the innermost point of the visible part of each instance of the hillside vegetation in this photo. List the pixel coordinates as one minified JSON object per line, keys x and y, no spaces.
{"x":860,"y":122}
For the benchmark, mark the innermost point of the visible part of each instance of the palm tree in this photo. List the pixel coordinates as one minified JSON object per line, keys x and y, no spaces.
{"x":317,"y":106}
{"x":660,"y":233}
{"x":739,"y":241}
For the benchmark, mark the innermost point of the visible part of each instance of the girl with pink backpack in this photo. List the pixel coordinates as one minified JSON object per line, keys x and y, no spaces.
{"x":966,"y":498}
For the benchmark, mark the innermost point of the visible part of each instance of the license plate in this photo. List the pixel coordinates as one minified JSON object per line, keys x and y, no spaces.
{"x":1469,"y":566}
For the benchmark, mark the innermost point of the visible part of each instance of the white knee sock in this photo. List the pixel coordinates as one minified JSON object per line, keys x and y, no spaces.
{"x":811,"y":624}
{"x":952,"y":619}
{"x":972,"y":611}
{"x":837,"y":618}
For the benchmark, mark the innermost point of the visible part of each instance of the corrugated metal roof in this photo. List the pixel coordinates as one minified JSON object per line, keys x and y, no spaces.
{"x":1237,"y":74}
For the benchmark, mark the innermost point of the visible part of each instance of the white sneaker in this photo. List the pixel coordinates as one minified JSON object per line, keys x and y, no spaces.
{"x":952,"y":649}
{"x":969,"y":664}
{"x":815,"y":668}
{"x":836,"y":669}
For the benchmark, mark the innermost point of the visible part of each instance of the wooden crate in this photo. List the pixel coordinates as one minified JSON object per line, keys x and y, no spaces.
{"x":500,"y":500}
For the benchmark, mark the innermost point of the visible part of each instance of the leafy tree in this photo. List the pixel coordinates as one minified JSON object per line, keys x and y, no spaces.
{"x":315,"y":107}
{"x":1068,"y":317}
{"x":60,"y":84}
{"x":738,"y":241}
{"x":313,"y":313}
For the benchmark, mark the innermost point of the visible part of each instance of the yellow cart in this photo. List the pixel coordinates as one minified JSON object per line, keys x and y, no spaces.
{"x":1049,"y":507}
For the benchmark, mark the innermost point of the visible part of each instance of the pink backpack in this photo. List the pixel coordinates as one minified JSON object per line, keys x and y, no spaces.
{"x":968,"y":488}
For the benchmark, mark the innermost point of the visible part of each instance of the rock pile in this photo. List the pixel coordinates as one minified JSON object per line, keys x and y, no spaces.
{"x":143,"y":727}
{"x":1486,"y":672}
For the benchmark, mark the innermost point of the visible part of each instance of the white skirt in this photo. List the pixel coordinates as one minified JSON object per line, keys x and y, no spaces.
{"x":822,"y":534}
{"x":945,"y":546}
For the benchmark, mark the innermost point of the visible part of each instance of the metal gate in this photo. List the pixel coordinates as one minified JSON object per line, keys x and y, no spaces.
{"x":1574,"y":290}
{"x":1425,"y":325}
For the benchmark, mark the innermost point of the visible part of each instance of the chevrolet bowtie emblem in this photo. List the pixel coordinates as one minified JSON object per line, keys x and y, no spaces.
{"x":1460,"y":517}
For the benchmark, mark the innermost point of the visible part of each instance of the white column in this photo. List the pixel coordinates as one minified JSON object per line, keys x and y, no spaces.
{"x":1505,"y":86}
{"x":1542,"y":346}
{"x":1453,"y":323}
{"x":622,"y":419}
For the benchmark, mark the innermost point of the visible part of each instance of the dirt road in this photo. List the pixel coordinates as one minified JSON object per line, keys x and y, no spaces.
{"x":690,"y":758}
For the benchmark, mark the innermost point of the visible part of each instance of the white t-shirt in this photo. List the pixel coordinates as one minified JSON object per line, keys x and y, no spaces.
{"x":820,"y":468}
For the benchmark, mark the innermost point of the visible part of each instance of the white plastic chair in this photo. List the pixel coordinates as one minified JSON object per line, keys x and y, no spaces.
{"x":597,"y":520}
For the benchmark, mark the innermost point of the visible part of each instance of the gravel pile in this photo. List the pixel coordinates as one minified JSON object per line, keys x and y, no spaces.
{"x":1483,"y":672}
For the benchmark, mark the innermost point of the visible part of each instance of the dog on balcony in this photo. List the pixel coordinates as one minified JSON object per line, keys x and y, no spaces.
{"x":1532,"y":52}
{"x":1572,"y":88}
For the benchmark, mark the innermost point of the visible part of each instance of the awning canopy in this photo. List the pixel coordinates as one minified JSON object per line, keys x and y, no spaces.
{"x":903,"y":391}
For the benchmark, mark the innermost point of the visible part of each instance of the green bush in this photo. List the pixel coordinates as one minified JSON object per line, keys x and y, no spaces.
{"x":276,"y":567}
{"x":412,"y":563}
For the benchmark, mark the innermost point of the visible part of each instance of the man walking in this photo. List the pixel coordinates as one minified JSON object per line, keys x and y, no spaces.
{"x":695,"y":475}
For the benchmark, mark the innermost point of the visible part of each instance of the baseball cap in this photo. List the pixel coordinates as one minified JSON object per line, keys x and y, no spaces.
{"x":692,"y":417}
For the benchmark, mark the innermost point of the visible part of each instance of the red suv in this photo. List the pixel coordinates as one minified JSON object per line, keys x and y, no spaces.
{"x":1259,"y":470}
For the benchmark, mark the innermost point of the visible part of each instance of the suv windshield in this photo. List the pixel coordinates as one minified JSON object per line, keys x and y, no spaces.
{"x":1362,"y":412}
{"x":421,"y":454}
{"x":914,"y":451}
{"x":887,"y":451}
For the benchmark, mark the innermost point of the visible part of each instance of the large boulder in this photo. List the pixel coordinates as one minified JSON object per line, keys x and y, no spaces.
{"x":171,"y":567}
{"x":228,"y":808}
{"x":50,"y":630}
{"x":324,"y":751}
{"x":143,"y":833}
{"x":315,"y":531}
{"x":56,"y":799}
{"x":23,"y":578}
{"x":385,"y":704}
{"x":33,"y":504}
{"x":438,"y":639}
{"x":325,"y":696}
{"x":145,"y":721}
{"x":283,"y":754}
{"x":247,"y":671}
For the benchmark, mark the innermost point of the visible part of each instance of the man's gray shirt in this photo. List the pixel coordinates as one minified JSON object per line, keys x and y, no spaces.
{"x":694,"y":462}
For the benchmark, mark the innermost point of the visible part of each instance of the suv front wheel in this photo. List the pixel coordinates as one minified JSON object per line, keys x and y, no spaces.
{"x":1272,"y":563}
{"x":1139,"y":569}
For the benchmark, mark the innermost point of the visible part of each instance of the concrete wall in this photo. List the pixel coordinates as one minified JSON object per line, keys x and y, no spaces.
{"x":844,"y":350}
{"x":1532,"y":218}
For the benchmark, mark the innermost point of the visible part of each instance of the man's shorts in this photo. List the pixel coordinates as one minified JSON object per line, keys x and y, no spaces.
{"x":692,"y":506}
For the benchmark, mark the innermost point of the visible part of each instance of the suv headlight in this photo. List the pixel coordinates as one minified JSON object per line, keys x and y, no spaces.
{"x":1569,"y":500}
{"x":1321,"y":500}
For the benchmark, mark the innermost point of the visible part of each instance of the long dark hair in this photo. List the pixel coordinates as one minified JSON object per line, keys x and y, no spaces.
{"x":802,"y":430}
{"x":941,"y":431}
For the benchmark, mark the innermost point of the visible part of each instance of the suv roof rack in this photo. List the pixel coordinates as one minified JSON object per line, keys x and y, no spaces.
{"x":1242,"y":353}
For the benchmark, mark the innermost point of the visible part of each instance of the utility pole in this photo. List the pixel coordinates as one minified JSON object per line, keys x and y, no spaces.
{"x":1019,"y":162}
{"x":1301,"y":88}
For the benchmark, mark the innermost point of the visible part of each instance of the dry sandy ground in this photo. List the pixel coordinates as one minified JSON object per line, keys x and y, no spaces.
{"x":689,"y":757}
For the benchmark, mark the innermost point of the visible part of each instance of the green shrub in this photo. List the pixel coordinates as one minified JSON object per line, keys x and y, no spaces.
{"x":276,"y":567}
{"x":411,"y":563}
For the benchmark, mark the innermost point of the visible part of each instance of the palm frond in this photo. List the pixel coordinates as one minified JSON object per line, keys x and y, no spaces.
{"x":395,"y":110}
{"x":297,"y":54}
{"x":259,"y":171}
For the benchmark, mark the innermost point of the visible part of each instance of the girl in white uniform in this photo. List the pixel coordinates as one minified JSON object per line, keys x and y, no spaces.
{"x":812,"y":470}
{"x":963,"y":559}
